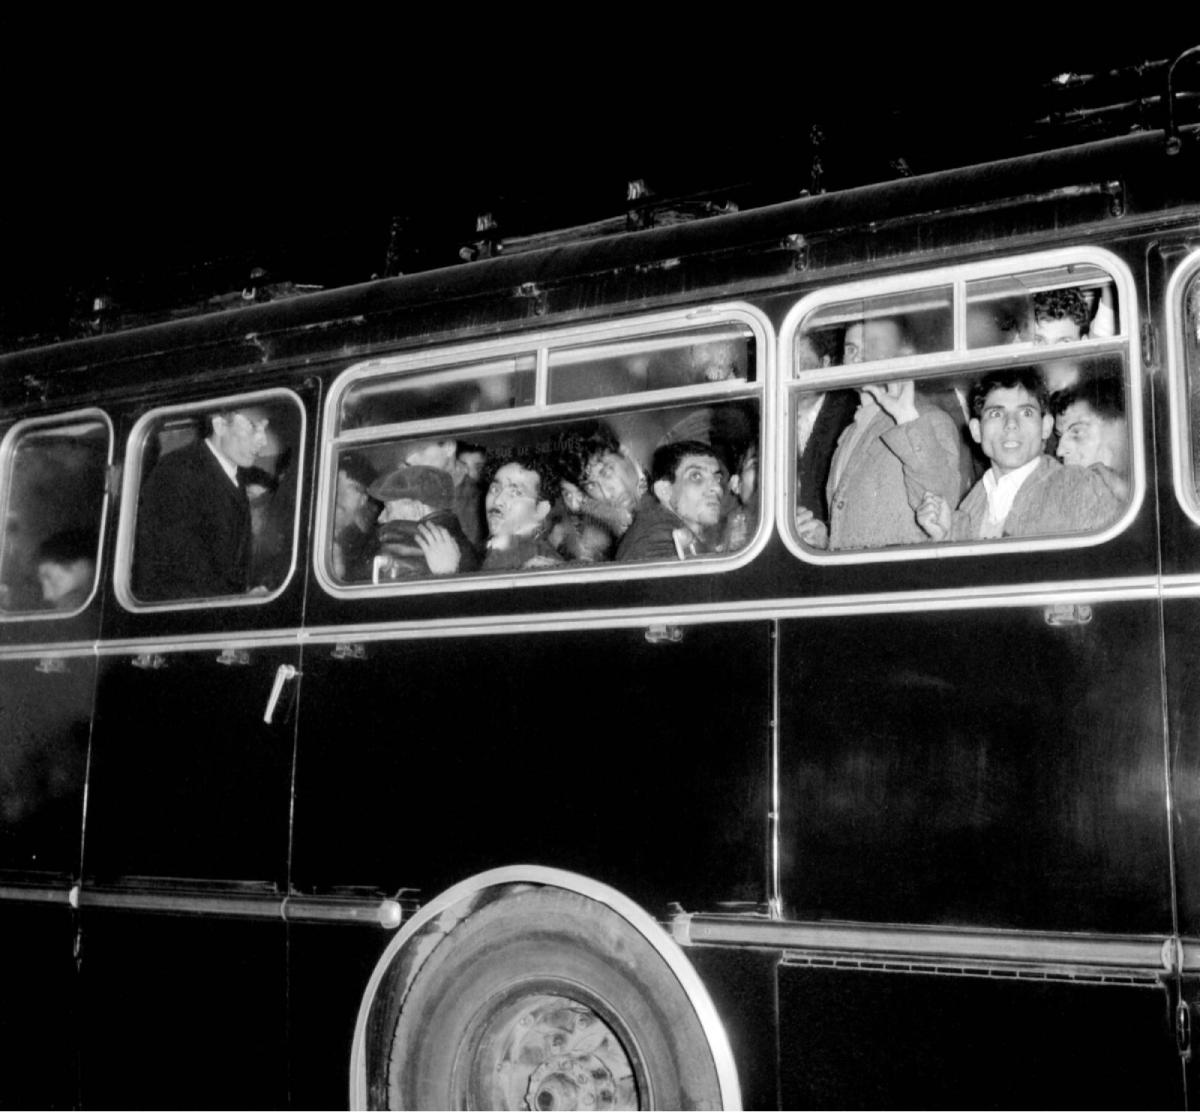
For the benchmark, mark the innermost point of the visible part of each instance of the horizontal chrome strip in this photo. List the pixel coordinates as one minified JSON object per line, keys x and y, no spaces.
{"x":1132,"y":588}
{"x":20,"y":893}
{"x":932,"y":944}
{"x":310,"y":909}
{"x":1181,"y":586}
{"x":224,"y":904}
{"x":292,"y":909}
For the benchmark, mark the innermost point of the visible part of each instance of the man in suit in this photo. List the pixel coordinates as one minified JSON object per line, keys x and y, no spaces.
{"x":193,"y":526}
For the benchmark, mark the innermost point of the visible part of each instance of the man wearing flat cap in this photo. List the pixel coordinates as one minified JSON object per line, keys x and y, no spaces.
{"x":418,"y":532}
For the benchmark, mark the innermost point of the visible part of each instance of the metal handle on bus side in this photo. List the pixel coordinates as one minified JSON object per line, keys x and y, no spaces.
{"x":283,"y":673}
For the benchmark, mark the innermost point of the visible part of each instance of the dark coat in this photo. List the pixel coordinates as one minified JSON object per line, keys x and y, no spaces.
{"x":812,"y":468}
{"x":652,"y":534}
{"x":193,"y":530}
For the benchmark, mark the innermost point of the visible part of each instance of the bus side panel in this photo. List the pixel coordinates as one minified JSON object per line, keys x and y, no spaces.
{"x":39,"y":1029}
{"x":642,"y":765}
{"x":328,"y":968}
{"x":873,"y":1039}
{"x":188,"y":783}
{"x":184,"y":986}
{"x":182,"y":1012}
{"x":979,"y":768}
{"x":742,"y":984}
{"x":45,"y":717}
{"x":1181,"y":620}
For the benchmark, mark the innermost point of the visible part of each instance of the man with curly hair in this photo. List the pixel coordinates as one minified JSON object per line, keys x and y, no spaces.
{"x":1060,"y":316}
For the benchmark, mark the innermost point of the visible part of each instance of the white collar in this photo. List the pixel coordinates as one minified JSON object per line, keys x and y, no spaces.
{"x":227,"y":465}
{"x":1002,"y":491}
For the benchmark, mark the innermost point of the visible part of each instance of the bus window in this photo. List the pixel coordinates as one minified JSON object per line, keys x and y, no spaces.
{"x":973,"y":448}
{"x":546,"y":495}
{"x":216,"y":507}
{"x":53,"y":497}
{"x":449,"y":392}
{"x":866,"y":330}
{"x":1045,"y":307}
{"x":1191,"y":357}
{"x":571,"y":482}
{"x":699,"y":358}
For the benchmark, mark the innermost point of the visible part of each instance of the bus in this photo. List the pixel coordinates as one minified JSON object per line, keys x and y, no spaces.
{"x":813,"y":804}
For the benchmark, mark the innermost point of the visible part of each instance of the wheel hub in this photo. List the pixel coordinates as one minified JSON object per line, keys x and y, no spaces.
{"x":551,"y":1053}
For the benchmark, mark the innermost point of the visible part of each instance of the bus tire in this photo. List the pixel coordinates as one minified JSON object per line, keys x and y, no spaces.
{"x":545,"y":999}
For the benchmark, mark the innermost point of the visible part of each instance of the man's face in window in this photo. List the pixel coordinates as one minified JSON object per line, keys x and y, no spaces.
{"x":697,"y":492}
{"x":431,"y":453}
{"x":881,"y":338}
{"x":1061,"y":331}
{"x":614,"y":479}
{"x":1085,"y":438}
{"x":1011,"y":428}
{"x":351,"y":501}
{"x":512,"y":502}
{"x":242,"y":436}
{"x":60,"y":580}
{"x":404,"y":509}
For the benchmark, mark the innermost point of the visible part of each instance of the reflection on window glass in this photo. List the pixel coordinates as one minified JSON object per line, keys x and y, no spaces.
{"x":545,"y":495}
{"x":55,"y":503}
{"x":1191,"y":360}
{"x":1045,"y":307}
{"x":635,"y":366}
{"x":887,"y":327}
{"x":1031,"y":450}
{"x":454,"y":392}
{"x":216,"y":512}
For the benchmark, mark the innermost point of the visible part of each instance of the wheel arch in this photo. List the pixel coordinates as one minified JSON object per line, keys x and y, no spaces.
{"x":417,"y":939}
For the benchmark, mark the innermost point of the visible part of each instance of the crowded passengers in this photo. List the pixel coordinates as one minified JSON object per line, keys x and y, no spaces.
{"x":1029,"y":443}
{"x":583,"y":496}
{"x":1049,"y":441}
{"x":1025,"y":450}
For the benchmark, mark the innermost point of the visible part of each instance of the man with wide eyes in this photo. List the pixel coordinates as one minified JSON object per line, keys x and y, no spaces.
{"x":684,"y":504}
{"x":1025,"y":492}
{"x":521,"y":490}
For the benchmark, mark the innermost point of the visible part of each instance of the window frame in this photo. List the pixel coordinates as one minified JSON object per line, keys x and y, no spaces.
{"x":1179,"y":394}
{"x":964,"y":360}
{"x":7,"y":450}
{"x":131,"y":489}
{"x":653,"y":326}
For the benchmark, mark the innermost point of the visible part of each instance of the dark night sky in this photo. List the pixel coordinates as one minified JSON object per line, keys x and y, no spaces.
{"x":167,"y":181}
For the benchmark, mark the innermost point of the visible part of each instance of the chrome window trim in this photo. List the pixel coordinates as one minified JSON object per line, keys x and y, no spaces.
{"x":1144,"y":588}
{"x":541,"y":343}
{"x":131,"y":487}
{"x":964,"y":359}
{"x":7,"y":448}
{"x":1177,"y":387}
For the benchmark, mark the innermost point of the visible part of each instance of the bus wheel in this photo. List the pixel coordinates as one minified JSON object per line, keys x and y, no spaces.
{"x":544,"y":999}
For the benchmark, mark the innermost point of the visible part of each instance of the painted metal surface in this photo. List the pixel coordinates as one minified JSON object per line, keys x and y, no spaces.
{"x":962,"y":776}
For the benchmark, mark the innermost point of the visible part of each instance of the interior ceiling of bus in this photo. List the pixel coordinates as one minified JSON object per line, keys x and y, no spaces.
{"x":115,"y":222}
